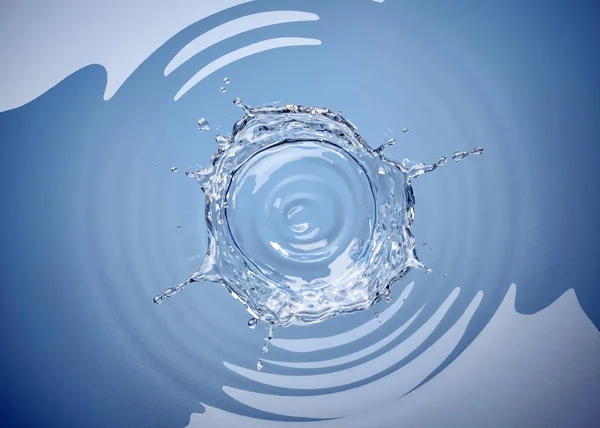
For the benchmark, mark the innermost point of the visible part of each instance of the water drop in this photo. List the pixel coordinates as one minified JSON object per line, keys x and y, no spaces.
{"x":458,"y":156}
{"x":158,"y":299}
{"x":170,"y":292}
{"x":223,"y":89}
{"x":174,"y":169}
{"x":376,"y":315}
{"x":445,"y":275}
{"x":405,"y":130}
{"x":178,"y":226}
{"x":259,"y":365}
{"x":226,"y":80}
{"x":388,"y":299}
{"x":238,"y":102}
{"x":252,"y":323}
{"x":203,"y":125}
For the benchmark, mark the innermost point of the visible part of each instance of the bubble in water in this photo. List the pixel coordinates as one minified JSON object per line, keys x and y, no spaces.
{"x":226,"y":80}
{"x":203,"y":125}
{"x":174,"y":169}
{"x":223,"y":89}
{"x":319,"y":222}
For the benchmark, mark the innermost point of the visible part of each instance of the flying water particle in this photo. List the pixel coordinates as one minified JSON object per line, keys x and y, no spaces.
{"x":252,"y":323}
{"x":174,"y":169}
{"x":458,"y":156}
{"x":203,"y":125}
{"x":178,"y":226}
{"x":223,"y":89}
{"x":158,"y":299}
{"x":259,"y":365}
{"x":405,"y":130}
{"x":226,"y":80}
{"x":283,"y":181}
{"x":376,"y":315}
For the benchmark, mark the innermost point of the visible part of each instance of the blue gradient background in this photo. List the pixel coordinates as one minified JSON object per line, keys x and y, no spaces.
{"x":88,"y":227}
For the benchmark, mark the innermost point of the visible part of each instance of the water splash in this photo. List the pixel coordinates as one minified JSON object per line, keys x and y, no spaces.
{"x":305,"y":220}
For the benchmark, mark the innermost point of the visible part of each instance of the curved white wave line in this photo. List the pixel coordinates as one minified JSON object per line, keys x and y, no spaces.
{"x":351,"y":357}
{"x":233,"y":28}
{"x":357,"y":373}
{"x":381,"y":393}
{"x":244,"y":52}
{"x":320,"y":343}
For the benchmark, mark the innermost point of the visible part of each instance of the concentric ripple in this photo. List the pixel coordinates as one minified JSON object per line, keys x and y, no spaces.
{"x":305,"y":220}
{"x":294,"y":209}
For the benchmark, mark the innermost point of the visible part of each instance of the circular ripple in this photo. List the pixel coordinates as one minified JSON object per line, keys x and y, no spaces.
{"x":300,"y":209}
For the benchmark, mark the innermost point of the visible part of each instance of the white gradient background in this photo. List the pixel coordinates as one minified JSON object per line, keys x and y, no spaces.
{"x":519,"y":80}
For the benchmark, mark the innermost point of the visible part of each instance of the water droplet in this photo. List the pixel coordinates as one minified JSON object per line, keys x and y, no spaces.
{"x":174,"y":169}
{"x":158,"y":299}
{"x":265,"y":348}
{"x":223,"y":89}
{"x":238,"y":102}
{"x":405,"y":130}
{"x":226,"y":80}
{"x":458,"y":156}
{"x":445,"y":275}
{"x":381,"y":170}
{"x":376,"y":315}
{"x":252,"y":323}
{"x":388,"y":299}
{"x":424,"y":243}
{"x":178,"y":226}
{"x":203,"y":125}
{"x":259,"y":365}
